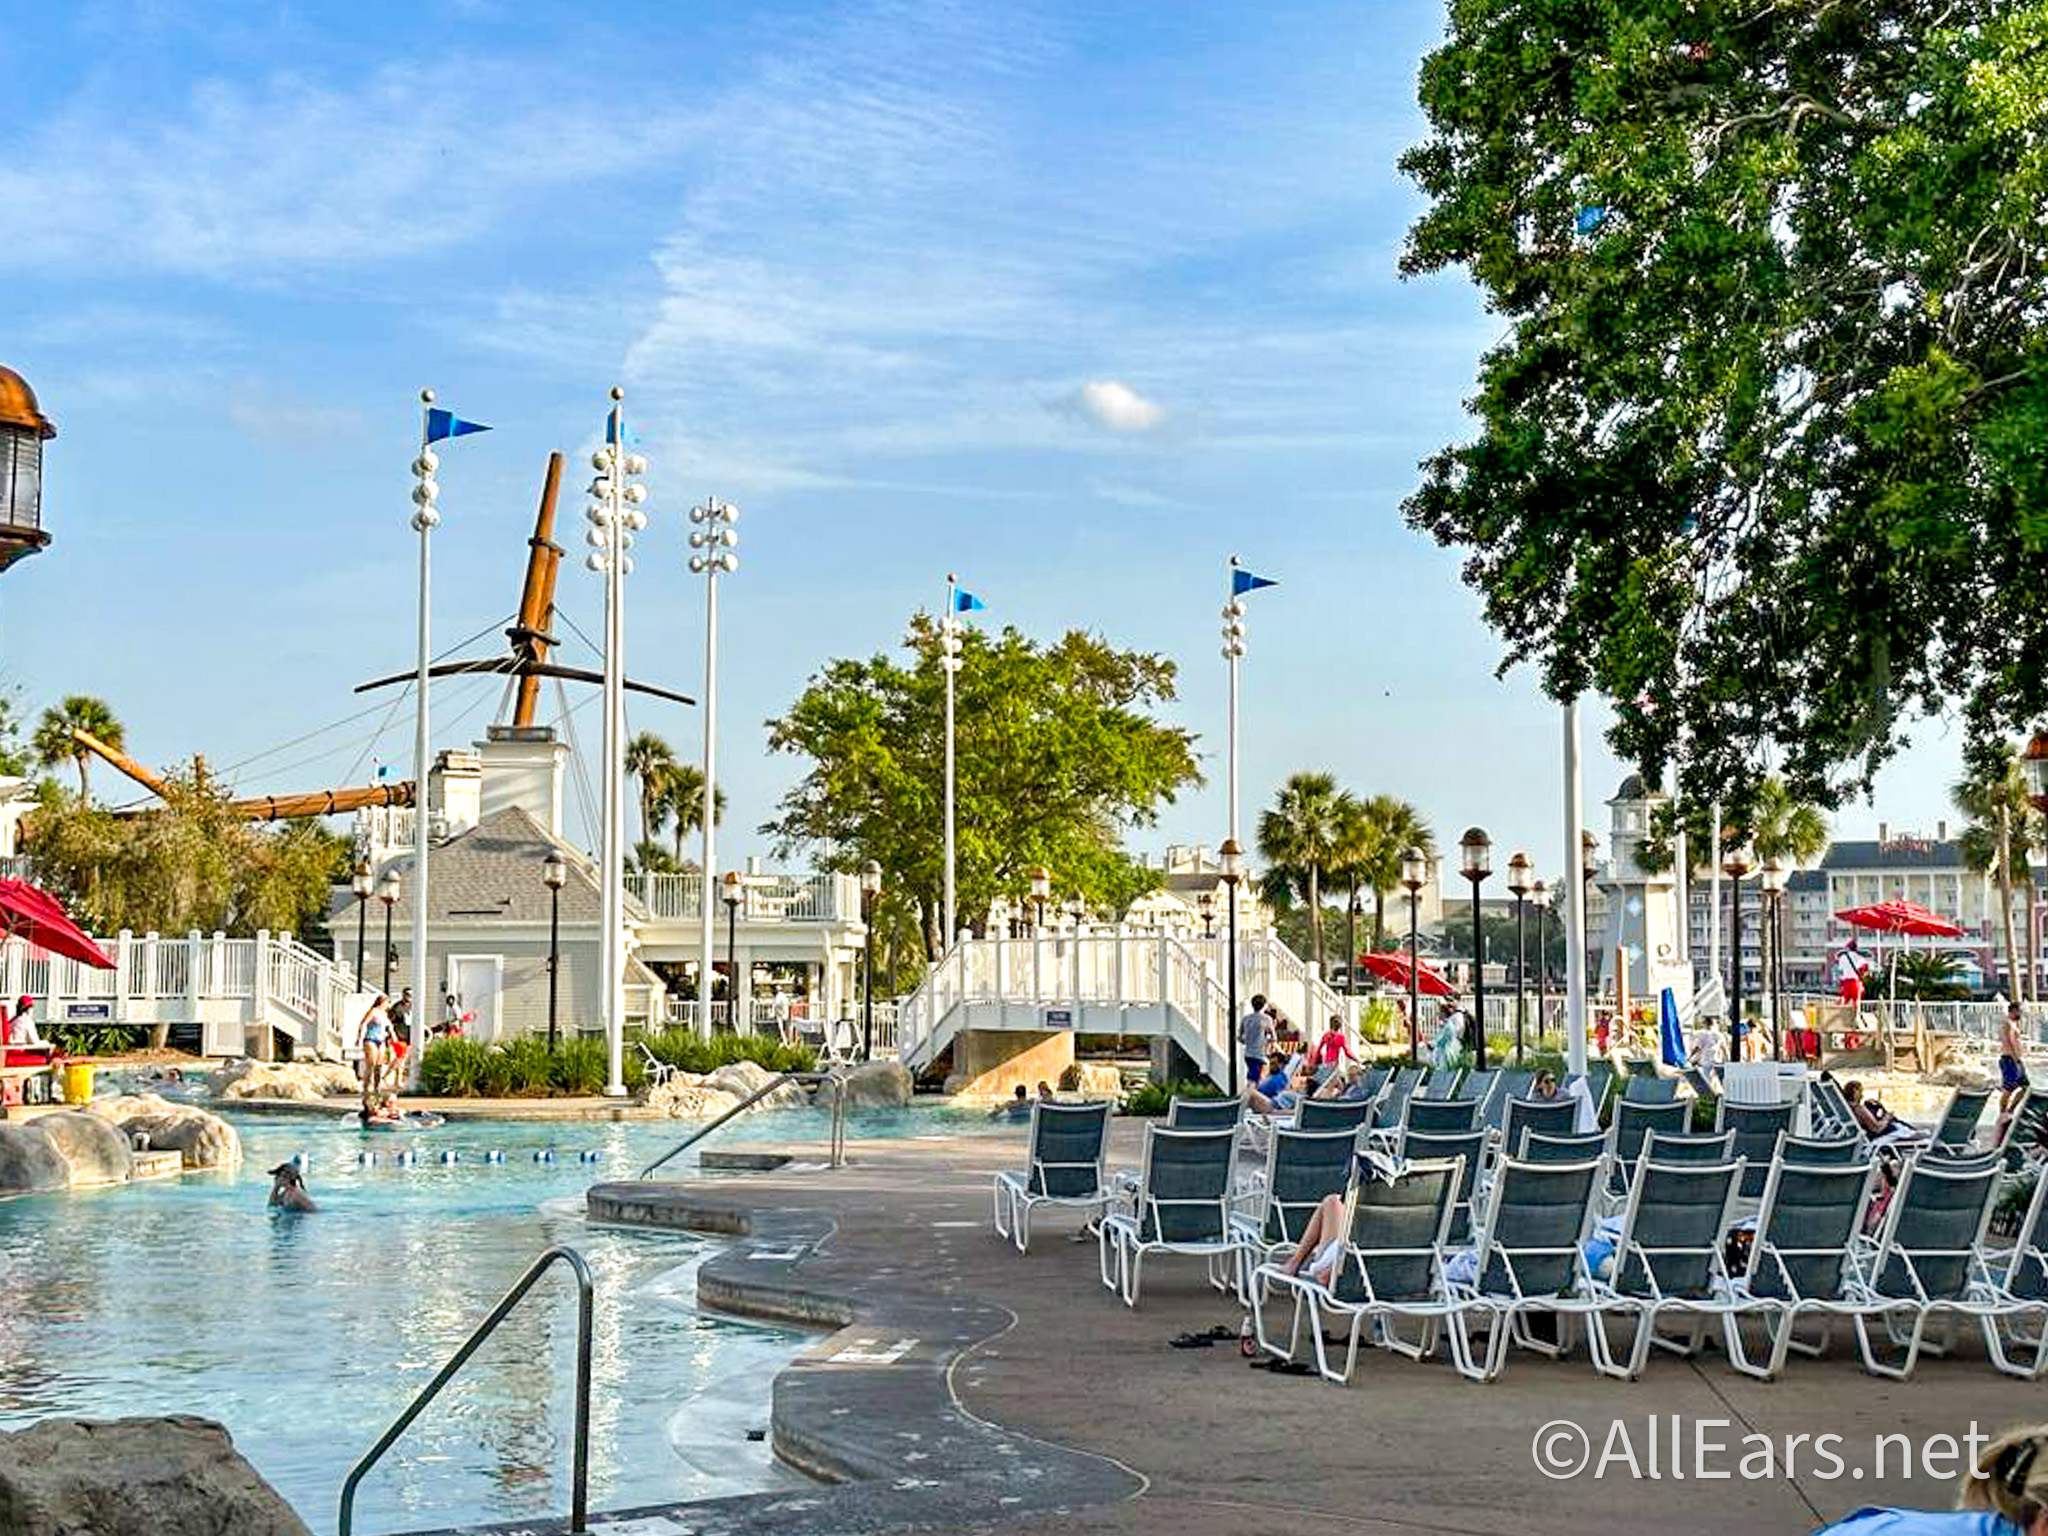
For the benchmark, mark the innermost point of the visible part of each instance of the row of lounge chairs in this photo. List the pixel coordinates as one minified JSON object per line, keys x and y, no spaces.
{"x":1453,"y":1229}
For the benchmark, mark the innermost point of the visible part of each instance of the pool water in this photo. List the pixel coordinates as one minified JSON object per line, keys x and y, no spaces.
{"x":306,"y":1335}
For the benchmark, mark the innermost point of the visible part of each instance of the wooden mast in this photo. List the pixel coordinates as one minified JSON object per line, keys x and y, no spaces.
{"x":531,"y":636}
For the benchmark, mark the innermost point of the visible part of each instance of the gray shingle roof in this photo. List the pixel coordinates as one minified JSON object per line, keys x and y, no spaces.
{"x":492,"y":871}
{"x":1923,"y":853}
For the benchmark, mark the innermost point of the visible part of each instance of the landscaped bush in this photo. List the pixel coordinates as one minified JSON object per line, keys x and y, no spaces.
{"x":84,"y":1038}
{"x":687,"y":1052}
{"x":519,"y":1069}
{"x":1154,"y":1098}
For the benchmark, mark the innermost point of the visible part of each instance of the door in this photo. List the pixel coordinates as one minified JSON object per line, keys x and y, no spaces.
{"x":476,"y":980}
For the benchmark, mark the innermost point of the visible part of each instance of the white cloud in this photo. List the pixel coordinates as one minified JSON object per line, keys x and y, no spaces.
{"x":262,"y":412}
{"x":1114,"y":406}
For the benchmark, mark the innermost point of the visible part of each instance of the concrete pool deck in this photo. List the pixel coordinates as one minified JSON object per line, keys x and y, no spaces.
{"x":966,"y":1387}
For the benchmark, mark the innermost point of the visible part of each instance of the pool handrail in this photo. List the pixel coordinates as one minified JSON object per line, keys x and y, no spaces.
{"x":579,"y":1488}
{"x":835,"y":1078}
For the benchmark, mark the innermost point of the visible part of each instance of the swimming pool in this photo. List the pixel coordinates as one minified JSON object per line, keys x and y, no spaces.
{"x":307,"y":1335}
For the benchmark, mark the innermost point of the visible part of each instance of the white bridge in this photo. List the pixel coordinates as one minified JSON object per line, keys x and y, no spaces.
{"x":1118,"y":981}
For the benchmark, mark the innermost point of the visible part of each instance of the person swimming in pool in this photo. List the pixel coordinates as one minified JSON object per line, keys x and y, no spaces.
{"x":288,"y":1189}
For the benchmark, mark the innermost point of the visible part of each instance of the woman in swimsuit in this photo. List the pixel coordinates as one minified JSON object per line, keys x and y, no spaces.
{"x":372,"y":1035}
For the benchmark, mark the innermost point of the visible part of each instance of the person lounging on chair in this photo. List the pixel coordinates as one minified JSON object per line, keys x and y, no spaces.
{"x":1064,"y":1168}
{"x":1303,"y":1168}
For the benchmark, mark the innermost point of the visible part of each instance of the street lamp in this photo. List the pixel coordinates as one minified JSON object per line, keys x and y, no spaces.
{"x":387,"y":892}
{"x":1351,"y":915}
{"x":1773,"y":881}
{"x":554,"y":874}
{"x":870,"y":890}
{"x":1414,"y":871}
{"x":1589,"y":866}
{"x":734,"y":894}
{"x":1475,"y":849}
{"x":1518,"y":883}
{"x":1541,"y":893}
{"x":1041,"y":891}
{"x":23,"y":431}
{"x":1206,"y":905}
{"x":1232,"y":859}
{"x":362,"y":884}
{"x":1735,"y":865}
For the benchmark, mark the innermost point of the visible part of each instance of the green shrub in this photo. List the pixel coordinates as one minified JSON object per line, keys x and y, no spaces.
{"x":520,"y":1069}
{"x":454,"y":1069}
{"x":581,"y":1068}
{"x":1153,"y":1099}
{"x":82,"y":1037}
{"x":1379,"y":1022}
{"x":686,"y":1052}
{"x":1704,"y":1109}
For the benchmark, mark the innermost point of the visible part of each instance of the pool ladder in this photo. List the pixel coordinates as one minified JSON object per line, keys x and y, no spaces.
{"x":836,"y":1079}
{"x":579,"y":1492}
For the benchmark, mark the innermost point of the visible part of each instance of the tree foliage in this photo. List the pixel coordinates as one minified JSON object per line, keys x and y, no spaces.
{"x":1760,"y":456}
{"x":1057,"y":755}
{"x":192,"y":865}
{"x":1300,"y":838}
{"x":53,"y":742}
{"x":1768,"y":818}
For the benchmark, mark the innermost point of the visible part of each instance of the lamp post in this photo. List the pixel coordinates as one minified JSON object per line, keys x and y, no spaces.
{"x":1772,"y":880}
{"x":23,"y":431}
{"x":1414,"y":871}
{"x":387,"y":892}
{"x":1541,"y":893}
{"x":1206,"y":905}
{"x":554,"y":874}
{"x":733,"y":893}
{"x":1735,"y":865}
{"x":1476,"y":850}
{"x":362,"y":885}
{"x":1231,"y":858}
{"x":1351,"y":916}
{"x":1518,"y":883}
{"x":715,"y":545}
{"x":1589,"y":866}
{"x":870,"y":890}
{"x":1041,"y":892}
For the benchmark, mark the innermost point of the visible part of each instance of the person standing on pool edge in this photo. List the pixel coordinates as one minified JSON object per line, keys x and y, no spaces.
{"x":1254,"y":1038}
{"x":2012,"y":1068}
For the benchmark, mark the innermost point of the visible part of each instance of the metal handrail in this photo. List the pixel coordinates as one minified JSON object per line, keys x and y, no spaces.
{"x":579,"y":1494}
{"x":838,"y":1115}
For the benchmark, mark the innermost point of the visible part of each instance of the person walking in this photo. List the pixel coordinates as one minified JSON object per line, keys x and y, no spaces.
{"x":1255,"y":1038}
{"x":1851,"y":966}
{"x":2012,"y":1068}
{"x":373,"y":1037}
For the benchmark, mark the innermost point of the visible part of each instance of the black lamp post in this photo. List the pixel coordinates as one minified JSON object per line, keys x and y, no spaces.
{"x":1232,"y":859}
{"x":554,"y":874}
{"x":1351,"y":915}
{"x":1735,"y":865}
{"x":1414,"y":872}
{"x":1206,"y":905}
{"x":1772,"y":879}
{"x":1041,"y":892}
{"x":1542,"y":894}
{"x":1518,"y":883}
{"x":734,"y":894}
{"x":1476,"y":850}
{"x":387,"y":892}
{"x":1589,"y":866}
{"x":362,"y":885}
{"x":870,"y":889}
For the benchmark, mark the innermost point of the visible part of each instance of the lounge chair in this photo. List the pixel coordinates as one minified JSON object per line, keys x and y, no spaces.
{"x":1701,"y":1083}
{"x":1668,"y":1257}
{"x":1633,"y":1123}
{"x":1443,"y":1084}
{"x":1508,"y":1086}
{"x":1353,"y":1115}
{"x":1439,"y":1116}
{"x":2021,"y":1130}
{"x":1480,"y":1087}
{"x":1538,"y":1147}
{"x":1819,"y":1151}
{"x":1395,"y":1094}
{"x":1800,"y":1260}
{"x":1831,"y":1113}
{"x":658,"y":1071}
{"x":1391,"y":1267}
{"x":1302,"y":1166}
{"x":1186,"y":1114}
{"x":1959,"y":1121}
{"x":1064,"y":1167}
{"x":1924,"y":1261}
{"x":1546,"y":1117}
{"x":1181,"y":1205}
{"x":1756,"y":1128}
{"x":1688,"y":1147}
{"x":1649,"y":1090}
{"x":1599,"y":1081}
{"x":1530,"y":1258}
{"x":2017,"y":1279}
{"x":1373,"y":1080}
{"x":1451,"y":1146}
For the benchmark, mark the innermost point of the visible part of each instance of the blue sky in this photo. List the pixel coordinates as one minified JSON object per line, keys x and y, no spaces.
{"x":1072,"y":300}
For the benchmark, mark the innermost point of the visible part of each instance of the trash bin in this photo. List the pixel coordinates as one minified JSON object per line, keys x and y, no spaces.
{"x":78,"y":1082}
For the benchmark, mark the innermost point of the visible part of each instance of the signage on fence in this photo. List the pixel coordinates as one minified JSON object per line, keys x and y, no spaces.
{"x":101,"y":1010}
{"x":1059,"y":1018}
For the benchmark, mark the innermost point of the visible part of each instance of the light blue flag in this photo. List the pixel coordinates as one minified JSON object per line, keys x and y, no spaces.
{"x":966,"y":602}
{"x":442,"y":424}
{"x":1243,"y":581}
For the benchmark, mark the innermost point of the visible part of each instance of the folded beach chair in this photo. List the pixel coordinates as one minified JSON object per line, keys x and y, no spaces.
{"x":1390,"y":1268}
{"x":1756,"y":1128}
{"x":1667,"y":1259}
{"x":1065,"y":1167}
{"x":1302,"y":1166}
{"x":1530,"y":1258}
{"x":1353,"y":1115}
{"x":1927,"y":1258}
{"x":1831,"y":1113}
{"x":1819,"y":1151}
{"x":1546,"y":1117}
{"x":1800,"y":1261}
{"x":2017,"y":1278}
{"x":1185,"y":1114}
{"x":1537,"y":1147}
{"x":1959,"y":1121}
{"x":1181,"y":1205}
{"x":1470,"y":1147}
{"x":1633,"y":1123}
{"x":1649,"y":1090}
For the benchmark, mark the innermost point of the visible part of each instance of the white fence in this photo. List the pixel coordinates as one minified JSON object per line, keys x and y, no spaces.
{"x":769,"y":1016}
{"x":226,"y":986}
{"x":764,"y":898}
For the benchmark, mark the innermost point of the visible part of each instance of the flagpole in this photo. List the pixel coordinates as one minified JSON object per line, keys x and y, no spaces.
{"x":716,"y":543}
{"x":951,"y":663}
{"x":611,"y":951}
{"x":423,"y":519}
{"x":1575,"y":883}
{"x":1233,"y":652}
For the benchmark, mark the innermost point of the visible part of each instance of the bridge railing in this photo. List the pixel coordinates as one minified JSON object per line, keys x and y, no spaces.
{"x":824,"y":898}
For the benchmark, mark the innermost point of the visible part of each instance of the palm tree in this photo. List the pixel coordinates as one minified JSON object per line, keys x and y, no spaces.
{"x":1785,"y":828}
{"x":1297,"y":839}
{"x":650,"y":760}
{"x":53,"y":742}
{"x":1396,"y":826}
{"x":2001,"y":818}
{"x":682,"y":803}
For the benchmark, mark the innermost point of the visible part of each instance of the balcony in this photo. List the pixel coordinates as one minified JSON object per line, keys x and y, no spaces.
{"x":768,"y":898}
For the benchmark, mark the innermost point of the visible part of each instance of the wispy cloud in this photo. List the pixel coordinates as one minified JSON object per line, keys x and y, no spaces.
{"x":1112,"y":405}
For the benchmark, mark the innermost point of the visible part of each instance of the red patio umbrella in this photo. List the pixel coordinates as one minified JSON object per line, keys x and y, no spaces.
{"x":1900,"y":917}
{"x":1393,"y":966}
{"x":29,"y":913}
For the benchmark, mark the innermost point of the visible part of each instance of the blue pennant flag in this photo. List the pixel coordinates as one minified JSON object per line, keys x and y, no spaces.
{"x":966,"y":602}
{"x":611,"y":430}
{"x":442,"y":424}
{"x":1243,"y":581}
{"x":1590,"y":218}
